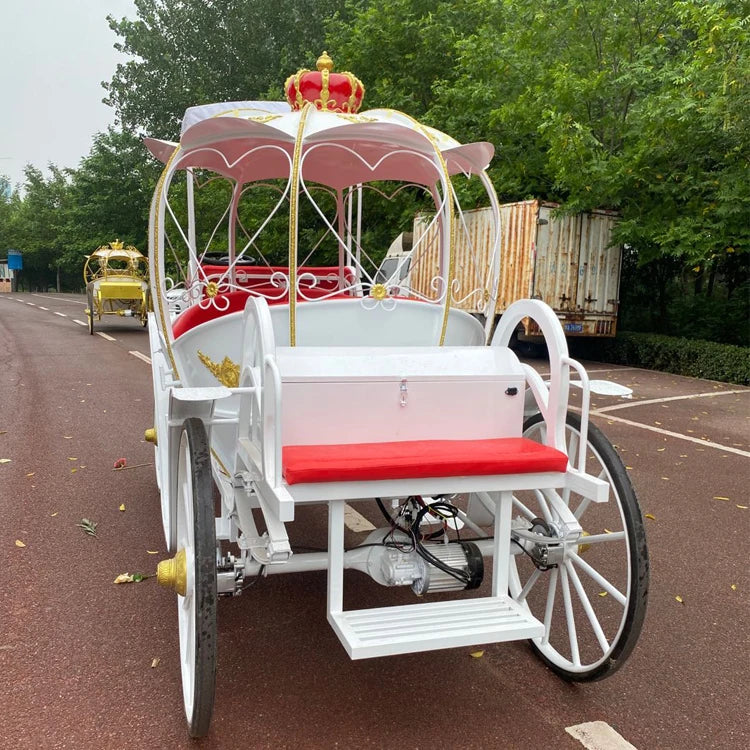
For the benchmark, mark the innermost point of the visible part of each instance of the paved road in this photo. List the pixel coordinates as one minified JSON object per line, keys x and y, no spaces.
{"x":76,"y":652}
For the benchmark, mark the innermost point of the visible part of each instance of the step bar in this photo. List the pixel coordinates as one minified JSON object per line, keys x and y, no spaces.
{"x":387,"y":631}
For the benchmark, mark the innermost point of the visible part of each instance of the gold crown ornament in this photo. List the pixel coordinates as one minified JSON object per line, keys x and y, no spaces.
{"x":328,"y":91}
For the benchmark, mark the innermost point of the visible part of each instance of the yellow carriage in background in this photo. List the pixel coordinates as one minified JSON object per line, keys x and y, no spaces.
{"x":116,"y":279}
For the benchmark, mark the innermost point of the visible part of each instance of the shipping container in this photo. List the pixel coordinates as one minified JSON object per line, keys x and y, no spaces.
{"x":569,"y":261}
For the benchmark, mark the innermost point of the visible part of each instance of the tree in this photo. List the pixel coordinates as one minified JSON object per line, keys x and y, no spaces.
{"x":189,"y":52}
{"x":37,"y":225}
{"x":109,"y":196}
{"x":8,"y":206}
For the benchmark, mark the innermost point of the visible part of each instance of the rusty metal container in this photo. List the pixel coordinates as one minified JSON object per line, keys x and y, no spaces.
{"x":567,"y":261}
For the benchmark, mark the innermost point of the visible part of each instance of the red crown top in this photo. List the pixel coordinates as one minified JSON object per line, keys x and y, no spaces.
{"x":331,"y":92}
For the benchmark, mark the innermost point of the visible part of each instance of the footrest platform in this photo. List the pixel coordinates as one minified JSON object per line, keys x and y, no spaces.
{"x":386,"y":631}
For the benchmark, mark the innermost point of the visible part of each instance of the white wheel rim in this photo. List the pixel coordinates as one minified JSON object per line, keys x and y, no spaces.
{"x":569,"y":608}
{"x":186,"y":605}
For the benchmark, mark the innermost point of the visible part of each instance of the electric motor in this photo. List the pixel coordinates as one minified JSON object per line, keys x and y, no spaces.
{"x":460,"y":556}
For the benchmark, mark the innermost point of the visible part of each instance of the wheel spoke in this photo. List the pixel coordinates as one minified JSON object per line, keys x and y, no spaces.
{"x":600,"y":579}
{"x":570,"y":620}
{"x":542,"y":500}
{"x":615,"y":536}
{"x":587,"y":608}
{"x":549,"y":608}
{"x":533,"y":578}
{"x":518,"y":504}
{"x":582,"y":508}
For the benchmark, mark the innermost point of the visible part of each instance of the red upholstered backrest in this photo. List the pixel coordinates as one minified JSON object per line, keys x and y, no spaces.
{"x":257,"y":279}
{"x":195,"y":314}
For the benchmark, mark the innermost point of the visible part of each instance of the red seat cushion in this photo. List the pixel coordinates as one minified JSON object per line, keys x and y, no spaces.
{"x":414,"y":459}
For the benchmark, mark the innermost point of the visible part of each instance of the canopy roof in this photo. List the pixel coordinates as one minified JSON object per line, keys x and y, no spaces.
{"x":123,"y":253}
{"x":250,"y":141}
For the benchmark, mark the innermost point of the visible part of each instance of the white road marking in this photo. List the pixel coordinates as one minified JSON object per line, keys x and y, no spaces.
{"x":61,"y":299}
{"x":598,"y":735}
{"x":62,"y":315}
{"x":669,"y":433}
{"x":355,"y":521}
{"x":80,"y":322}
{"x":669,"y":398}
{"x":33,"y":304}
{"x":140,"y":356}
{"x":106,"y":336}
{"x":44,"y":308}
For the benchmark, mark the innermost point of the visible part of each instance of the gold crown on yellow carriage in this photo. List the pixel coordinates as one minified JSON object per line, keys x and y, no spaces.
{"x":328,"y":91}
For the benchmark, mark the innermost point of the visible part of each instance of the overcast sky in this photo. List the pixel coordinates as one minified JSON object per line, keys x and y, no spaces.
{"x":55,"y":54}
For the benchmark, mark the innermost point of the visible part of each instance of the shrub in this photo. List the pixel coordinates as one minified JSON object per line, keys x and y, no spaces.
{"x":681,"y":356}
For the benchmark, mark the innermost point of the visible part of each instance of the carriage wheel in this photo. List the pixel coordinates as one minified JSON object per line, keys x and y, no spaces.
{"x":145,"y":304}
{"x":197,"y":606}
{"x":594,"y":601}
{"x":91,"y":313}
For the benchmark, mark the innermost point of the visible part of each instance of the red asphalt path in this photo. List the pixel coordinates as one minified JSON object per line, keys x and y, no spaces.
{"x":76,"y":651}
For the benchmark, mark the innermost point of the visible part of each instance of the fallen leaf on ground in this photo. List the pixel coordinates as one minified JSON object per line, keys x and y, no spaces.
{"x":743,"y":507}
{"x":131,"y":578}
{"x":4,"y":460}
{"x":476,"y":654}
{"x":73,"y":471}
{"x":31,"y":474}
{"x":120,"y":463}
{"x":719,"y":497}
{"x":666,"y":478}
{"x":679,"y":599}
{"x":648,"y":515}
{"x":155,"y":662}
{"x":734,"y":587}
{"x":602,"y":593}
{"x":629,"y":468}
{"x":122,"y":507}
{"x":52,"y":515}
{"x":72,"y":458}
{"x":19,"y":543}
{"x":88,"y":526}
{"x":67,"y":437}
{"x":152,"y":552}
{"x":659,"y":450}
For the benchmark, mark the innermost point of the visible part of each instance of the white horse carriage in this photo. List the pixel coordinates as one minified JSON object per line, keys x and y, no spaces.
{"x":284,"y":384}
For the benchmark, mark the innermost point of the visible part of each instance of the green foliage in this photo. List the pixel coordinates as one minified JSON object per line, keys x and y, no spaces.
{"x":37,"y":225}
{"x":189,"y":52}
{"x":118,"y":165}
{"x":708,"y":301}
{"x":690,"y":357}
{"x":641,"y":105}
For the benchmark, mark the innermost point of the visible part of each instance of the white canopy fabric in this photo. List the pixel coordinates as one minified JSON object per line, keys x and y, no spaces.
{"x":250,"y":141}
{"x":236,"y":109}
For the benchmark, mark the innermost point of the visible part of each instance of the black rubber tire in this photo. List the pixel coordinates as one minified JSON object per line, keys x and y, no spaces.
{"x":90,"y":298}
{"x":638,"y":560}
{"x":146,"y":307}
{"x":204,"y":555}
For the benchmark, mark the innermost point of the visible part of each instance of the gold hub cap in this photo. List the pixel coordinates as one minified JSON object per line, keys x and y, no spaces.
{"x":172,"y":574}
